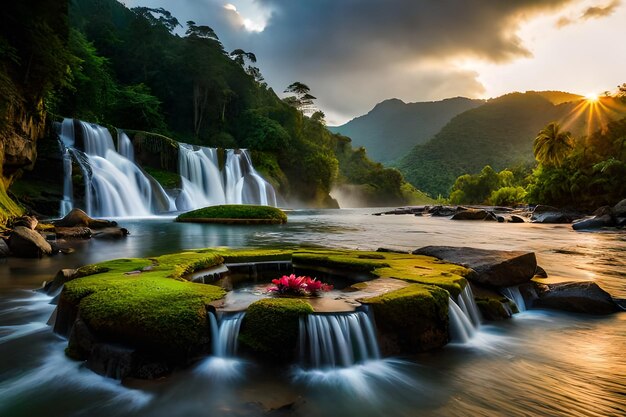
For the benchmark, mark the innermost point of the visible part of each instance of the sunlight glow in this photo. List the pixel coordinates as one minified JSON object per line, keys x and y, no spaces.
{"x":592,"y":97}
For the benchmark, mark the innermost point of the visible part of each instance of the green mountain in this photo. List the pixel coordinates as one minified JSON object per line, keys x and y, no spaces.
{"x":393,"y":127}
{"x":499,"y":133}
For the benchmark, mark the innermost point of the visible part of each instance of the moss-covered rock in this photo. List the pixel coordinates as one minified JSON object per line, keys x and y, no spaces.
{"x":270,"y":327}
{"x":412,"y":319}
{"x":407,"y":267}
{"x":235,"y":213}
{"x":167,"y":179}
{"x":496,"y":308}
{"x":143,"y":304}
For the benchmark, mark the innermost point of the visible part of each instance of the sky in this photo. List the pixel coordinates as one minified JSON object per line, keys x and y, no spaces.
{"x":356,"y":53}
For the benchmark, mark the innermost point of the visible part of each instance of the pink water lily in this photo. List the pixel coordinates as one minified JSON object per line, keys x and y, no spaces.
{"x":293,"y":285}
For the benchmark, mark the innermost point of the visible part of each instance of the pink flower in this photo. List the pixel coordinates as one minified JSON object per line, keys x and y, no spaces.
{"x":302,"y":285}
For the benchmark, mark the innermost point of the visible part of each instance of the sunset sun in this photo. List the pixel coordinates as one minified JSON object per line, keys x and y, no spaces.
{"x":593,"y":97}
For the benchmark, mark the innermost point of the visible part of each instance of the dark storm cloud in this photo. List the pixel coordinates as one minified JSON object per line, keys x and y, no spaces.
{"x":354,"y":53}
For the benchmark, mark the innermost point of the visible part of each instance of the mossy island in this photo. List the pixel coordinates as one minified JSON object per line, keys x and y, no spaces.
{"x":148,"y":317}
{"x":235,"y":214}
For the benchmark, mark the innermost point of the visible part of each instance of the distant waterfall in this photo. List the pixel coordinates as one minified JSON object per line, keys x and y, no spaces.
{"x":225,"y":333}
{"x":464,"y":316}
{"x":331,"y":340}
{"x":113,"y":184}
{"x":205,"y":184}
{"x":514,"y":294}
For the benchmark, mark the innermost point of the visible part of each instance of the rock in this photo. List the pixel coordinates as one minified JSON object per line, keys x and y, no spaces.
{"x":474,"y":214}
{"x":111,"y":233}
{"x":77,"y":217}
{"x":540,"y":272}
{"x":445,"y":211}
{"x":81,"y":341}
{"x":390,"y":250}
{"x":594,"y":223}
{"x":516,"y":219}
{"x":77,"y":232}
{"x":493,"y":268}
{"x":4,"y":249}
{"x":26,"y":243}
{"x":27,"y":221}
{"x":619,"y":210}
{"x":549,"y":214}
{"x":602,"y":211}
{"x":620,"y":222}
{"x":63,"y":276}
{"x":579,"y":297}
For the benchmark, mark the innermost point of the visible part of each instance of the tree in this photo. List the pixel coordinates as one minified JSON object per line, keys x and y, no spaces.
{"x":164,"y":18}
{"x":302,"y":98}
{"x":552,"y":145}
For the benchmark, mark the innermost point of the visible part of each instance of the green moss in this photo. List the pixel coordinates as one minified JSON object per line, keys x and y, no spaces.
{"x":236,"y":212}
{"x":407,"y":267}
{"x":253,"y":255}
{"x":493,"y":308}
{"x":180,"y":264}
{"x":415,"y":318}
{"x":8,"y":208}
{"x":270,"y":327}
{"x":167,"y":179}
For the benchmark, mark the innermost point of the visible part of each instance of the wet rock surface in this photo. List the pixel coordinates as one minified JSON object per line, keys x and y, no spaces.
{"x":578,"y":297}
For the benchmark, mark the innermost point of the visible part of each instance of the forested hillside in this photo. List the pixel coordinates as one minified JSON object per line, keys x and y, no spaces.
{"x":392,"y":128}
{"x":499,"y":133}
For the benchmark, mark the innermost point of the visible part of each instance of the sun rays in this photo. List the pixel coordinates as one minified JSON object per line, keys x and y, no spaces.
{"x":593,"y":113}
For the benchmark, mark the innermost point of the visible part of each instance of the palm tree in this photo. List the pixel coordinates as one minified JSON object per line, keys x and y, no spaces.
{"x":552,"y":145}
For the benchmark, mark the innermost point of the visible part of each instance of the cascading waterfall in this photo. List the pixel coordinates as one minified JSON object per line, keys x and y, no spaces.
{"x":464,"y":316}
{"x":224,"y":333}
{"x":468,"y":305}
{"x":514,"y":294}
{"x":205,"y":184}
{"x":114,"y":184}
{"x":331,"y":340}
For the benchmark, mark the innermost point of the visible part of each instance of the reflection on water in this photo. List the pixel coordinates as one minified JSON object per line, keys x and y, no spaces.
{"x":539,"y":363}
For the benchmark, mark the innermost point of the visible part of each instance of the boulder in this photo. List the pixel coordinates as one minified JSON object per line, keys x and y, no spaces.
{"x":63,"y":276}
{"x":619,"y":210}
{"x":602,"y":211}
{"x":516,"y":219}
{"x":4,"y":249}
{"x":580,"y":297}
{"x":445,"y":211}
{"x":26,"y":243}
{"x":597,"y":222}
{"x":540,"y":272}
{"x":474,"y":214}
{"x":77,"y":217}
{"x":549,"y":214}
{"x":111,"y":233}
{"x":27,"y":221}
{"x":77,"y":232}
{"x":493,"y":268}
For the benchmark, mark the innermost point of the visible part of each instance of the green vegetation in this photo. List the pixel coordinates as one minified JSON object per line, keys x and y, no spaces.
{"x":415,"y":317}
{"x":167,"y":179}
{"x":585,"y":172}
{"x":143,"y":303}
{"x":270,"y":327}
{"x":498,"y":133}
{"x":406,"y":267}
{"x":393,"y":127}
{"x":262,"y":214}
{"x":128,"y":68}
{"x":492,"y":308}
{"x":8,"y":208}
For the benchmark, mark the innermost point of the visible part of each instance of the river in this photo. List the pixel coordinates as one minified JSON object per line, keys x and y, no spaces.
{"x":538,"y":363}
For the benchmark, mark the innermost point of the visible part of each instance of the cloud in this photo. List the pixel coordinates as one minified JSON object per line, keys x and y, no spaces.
{"x":355,"y":53}
{"x":591,"y":12}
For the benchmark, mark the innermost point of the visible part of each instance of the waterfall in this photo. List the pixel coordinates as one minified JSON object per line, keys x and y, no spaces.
{"x":330,"y":340}
{"x":514,"y":294}
{"x":463,"y":315}
{"x":205,"y":184}
{"x":466,"y":302}
{"x":225,"y":333}
{"x":461,"y":327}
{"x":114,"y":184}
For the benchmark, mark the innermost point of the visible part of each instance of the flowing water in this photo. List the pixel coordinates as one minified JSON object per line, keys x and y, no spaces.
{"x":538,"y":363}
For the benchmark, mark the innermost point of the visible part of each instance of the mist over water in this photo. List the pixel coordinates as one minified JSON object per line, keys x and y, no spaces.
{"x":538,"y":363}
